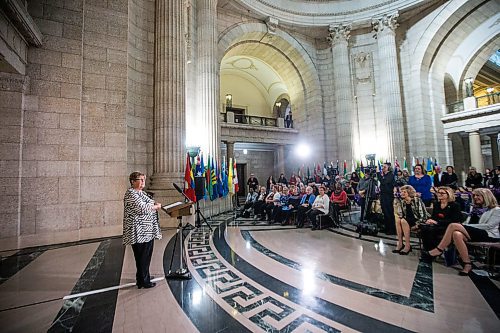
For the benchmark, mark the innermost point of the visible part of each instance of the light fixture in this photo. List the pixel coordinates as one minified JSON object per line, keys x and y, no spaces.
{"x":490,"y":90}
{"x":229,"y":100}
{"x":278,"y":104}
{"x":303,"y":150}
{"x":245,"y":151}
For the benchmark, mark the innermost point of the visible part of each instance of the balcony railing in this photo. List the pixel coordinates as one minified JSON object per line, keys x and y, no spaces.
{"x":484,"y":100}
{"x":230,"y":117}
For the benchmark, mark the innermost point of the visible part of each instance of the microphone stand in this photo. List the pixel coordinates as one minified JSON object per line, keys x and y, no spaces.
{"x":198,"y":210}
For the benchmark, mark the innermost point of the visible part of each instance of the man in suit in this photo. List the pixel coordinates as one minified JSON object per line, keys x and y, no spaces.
{"x":438,"y":177}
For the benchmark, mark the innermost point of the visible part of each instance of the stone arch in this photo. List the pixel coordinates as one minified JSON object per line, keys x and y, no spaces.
{"x":291,"y":60}
{"x":450,"y":89}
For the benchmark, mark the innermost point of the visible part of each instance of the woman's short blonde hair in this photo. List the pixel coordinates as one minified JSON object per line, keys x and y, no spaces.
{"x":449,"y":190}
{"x":408,"y":188}
{"x":489,"y":199}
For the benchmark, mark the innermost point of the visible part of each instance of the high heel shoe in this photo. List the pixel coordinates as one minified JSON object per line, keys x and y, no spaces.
{"x":396,"y":250}
{"x":464,"y":273}
{"x":426,"y":256}
{"x":403,"y":253}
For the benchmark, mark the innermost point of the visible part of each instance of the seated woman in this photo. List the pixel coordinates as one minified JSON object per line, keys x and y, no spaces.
{"x":258,"y":207}
{"x":485,"y":231}
{"x":269,"y":206}
{"x":339,"y":200}
{"x":422,"y":183}
{"x":354,"y":181}
{"x":445,"y":211}
{"x":304,"y":206}
{"x":320,"y":206}
{"x":410,"y":211}
{"x":450,"y":178}
{"x":474,"y":178}
{"x":283,"y":208}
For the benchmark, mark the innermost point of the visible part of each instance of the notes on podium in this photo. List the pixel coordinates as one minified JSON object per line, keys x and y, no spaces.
{"x":178,"y":209}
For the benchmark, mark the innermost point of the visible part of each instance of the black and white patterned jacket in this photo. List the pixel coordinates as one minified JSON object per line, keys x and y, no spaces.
{"x":140,"y":221}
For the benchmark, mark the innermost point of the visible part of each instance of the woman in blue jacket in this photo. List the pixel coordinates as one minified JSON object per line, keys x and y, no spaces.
{"x":422,"y":183}
{"x":304,"y":206}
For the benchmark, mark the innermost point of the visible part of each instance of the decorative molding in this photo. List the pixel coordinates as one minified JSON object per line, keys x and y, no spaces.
{"x":385,"y":23}
{"x":338,"y":33}
{"x":23,"y":22}
{"x":272,"y":24}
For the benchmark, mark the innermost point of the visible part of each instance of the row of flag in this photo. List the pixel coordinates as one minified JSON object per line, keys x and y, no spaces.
{"x":428,"y":164}
{"x":220,"y":179}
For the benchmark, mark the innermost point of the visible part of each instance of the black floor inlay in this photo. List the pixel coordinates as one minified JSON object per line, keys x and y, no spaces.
{"x":14,"y":263}
{"x":421,"y":296}
{"x":94,"y":313}
{"x":322,"y":307}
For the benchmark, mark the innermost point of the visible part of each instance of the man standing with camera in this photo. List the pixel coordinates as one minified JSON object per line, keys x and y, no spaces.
{"x":367,"y":191}
{"x":387,"y":183}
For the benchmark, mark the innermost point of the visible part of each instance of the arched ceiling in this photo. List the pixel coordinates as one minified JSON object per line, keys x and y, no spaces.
{"x":324,"y":12}
{"x":256,"y":71}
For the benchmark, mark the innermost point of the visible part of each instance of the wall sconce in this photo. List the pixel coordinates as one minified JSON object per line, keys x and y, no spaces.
{"x":229,"y":101}
{"x":469,"y":92}
{"x":278,"y":104}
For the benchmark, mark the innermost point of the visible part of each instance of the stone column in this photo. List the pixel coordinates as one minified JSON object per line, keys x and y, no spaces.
{"x":448,"y":148}
{"x":280,"y":159}
{"x":229,"y":151}
{"x":476,"y":158}
{"x":169,"y":95}
{"x":494,"y":149}
{"x":346,"y":118}
{"x":208,"y":77}
{"x":390,"y":90}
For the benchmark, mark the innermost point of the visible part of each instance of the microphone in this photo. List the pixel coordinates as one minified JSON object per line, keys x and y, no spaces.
{"x":177,"y":188}
{"x":181,"y":191}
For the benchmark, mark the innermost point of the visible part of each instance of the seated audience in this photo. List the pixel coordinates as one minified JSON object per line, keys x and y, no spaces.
{"x":304,"y":206}
{"x":320,"y":206}
{"x":282,"y":180}
{"x":250,"y":200}
{"x":485,"y":231}
{"x":354,"y":181}
{"x":444,"y":212}
{"x":410,"y":211}
{"x":269,"y":206}
{"x":270,"y":183}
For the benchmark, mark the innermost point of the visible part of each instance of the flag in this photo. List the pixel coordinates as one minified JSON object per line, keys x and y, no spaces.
{"x":189,"y":180}
{"x":235,"y":179}
{"x":405,"y":165}
{"x":213,"y":180}
{"x":338,"y":166}
{"x":396,"y":165}
{"x":362,"y":170}
{"x":418,"y":162}
{"x":353,"y":166}
{"x":208,"y":179}
{"x":308,"y":173}
{"x":225,"y":185}
{"x":345,"y":168}
{"x":379,"y":165}
{"x":230,"y":176}
{"x":430,"y":167}
{"x":412,"y":165}
{"x":325,"y":171}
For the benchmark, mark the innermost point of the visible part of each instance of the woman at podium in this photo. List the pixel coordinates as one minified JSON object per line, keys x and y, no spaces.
{"x":140,"y":227}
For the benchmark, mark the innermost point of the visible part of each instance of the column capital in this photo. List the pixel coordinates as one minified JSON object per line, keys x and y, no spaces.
{"x":385,"y":24}
{"x":338,"y":33}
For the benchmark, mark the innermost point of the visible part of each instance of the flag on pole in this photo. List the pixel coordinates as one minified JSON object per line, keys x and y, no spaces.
{"x":353,"y":166}
{"x":345,"y":168}
{"x":325,"y":171}
{"x":405,"y":165}
{"x":396,"y":165}
{"x":213,"y":180}
{"x":189,"y":180}
{"x":430,"y":167}
{"x":208,"y":178}
{"x":230,"y":176}
{"x":413,"y":165}
{"x":235,"y":179}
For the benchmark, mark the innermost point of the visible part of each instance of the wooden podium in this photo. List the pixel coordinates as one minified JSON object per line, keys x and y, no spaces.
{"x":178,"y":210}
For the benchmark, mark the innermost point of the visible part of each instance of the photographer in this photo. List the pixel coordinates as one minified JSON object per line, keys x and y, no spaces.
{"x":367,"y":190}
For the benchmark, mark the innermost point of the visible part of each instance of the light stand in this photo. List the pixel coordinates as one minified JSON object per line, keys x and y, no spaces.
{"x":200,"y":217}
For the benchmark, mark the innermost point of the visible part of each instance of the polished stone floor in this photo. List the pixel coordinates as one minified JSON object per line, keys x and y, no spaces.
{"x":246,"y":276}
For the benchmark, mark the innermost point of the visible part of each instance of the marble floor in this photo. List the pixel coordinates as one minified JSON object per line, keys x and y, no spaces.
{"x":246,"y":276}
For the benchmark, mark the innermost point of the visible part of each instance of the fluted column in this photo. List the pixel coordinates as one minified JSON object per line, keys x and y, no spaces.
{"x":476,"y":157}
{"x":169,"y":100}
{"x":384,"y":29}
{"x":208,"y":77}
{"x":494,"y":149}
{"x":346,"y":119}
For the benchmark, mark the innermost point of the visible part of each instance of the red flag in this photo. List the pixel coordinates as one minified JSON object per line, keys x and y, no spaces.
{"x":189,"y":181}
{"x":235,"y":178}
